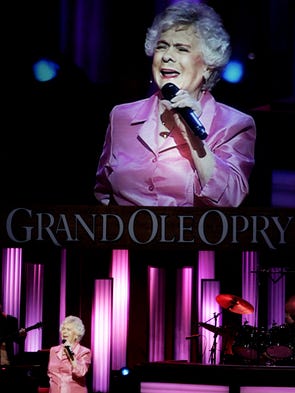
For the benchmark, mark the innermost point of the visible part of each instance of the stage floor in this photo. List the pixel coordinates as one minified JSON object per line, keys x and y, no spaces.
{"x":233,"y":376}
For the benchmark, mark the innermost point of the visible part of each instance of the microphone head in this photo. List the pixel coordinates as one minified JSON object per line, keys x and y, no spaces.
{"x":63,"y":340}
{"x":169,"y":90}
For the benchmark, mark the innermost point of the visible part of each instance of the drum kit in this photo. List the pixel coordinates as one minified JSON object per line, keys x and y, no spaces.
{"x":250,"y":344}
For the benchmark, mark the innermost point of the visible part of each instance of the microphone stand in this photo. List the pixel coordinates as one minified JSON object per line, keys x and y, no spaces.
{"x":214,"y":345}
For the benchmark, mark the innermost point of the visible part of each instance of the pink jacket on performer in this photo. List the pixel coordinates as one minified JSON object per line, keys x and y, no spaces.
{"x":63,"y":377}
{"x":138,"y":168}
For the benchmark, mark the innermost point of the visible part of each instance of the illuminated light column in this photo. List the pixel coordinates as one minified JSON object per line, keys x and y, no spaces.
{"x":11,"y":282}
{"x":183,"y":313}
{"x":206,"y":270}
{"x":276,"y":296}
{"x":120,"y":272}
{"x":250,"y":282}
{"x":211,"y":313}
{"x":101,"y":328}
{"x":63,"y":286}
{"x":156,"y":280}
{"x":34,"y":304}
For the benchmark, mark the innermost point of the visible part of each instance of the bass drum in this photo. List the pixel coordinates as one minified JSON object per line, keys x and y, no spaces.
{"x":280,"y":342}
{"x":248,"y":342}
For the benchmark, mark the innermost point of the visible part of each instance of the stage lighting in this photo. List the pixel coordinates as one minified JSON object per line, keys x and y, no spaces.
{"x":125,"y":371}
{"x":233,"y":72}
{"x":45,"y":70}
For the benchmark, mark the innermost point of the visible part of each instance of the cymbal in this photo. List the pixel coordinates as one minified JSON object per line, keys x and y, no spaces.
{"x":234,"y":304}
{"x":212,"y":328}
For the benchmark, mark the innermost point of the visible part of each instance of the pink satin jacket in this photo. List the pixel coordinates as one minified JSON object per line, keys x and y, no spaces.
{"x":136,"y":168}
{"x":63,"y":378}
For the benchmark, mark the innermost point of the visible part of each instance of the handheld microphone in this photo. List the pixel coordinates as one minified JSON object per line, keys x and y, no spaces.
{"x":169,"y":91}
{"x":68,"y":349}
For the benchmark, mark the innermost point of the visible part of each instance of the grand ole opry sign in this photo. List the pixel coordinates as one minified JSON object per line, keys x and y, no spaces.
{"x":148,"y":227}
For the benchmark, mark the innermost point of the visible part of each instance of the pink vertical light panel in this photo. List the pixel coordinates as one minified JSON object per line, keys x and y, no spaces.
{"x":183,"y":313}
{"x":206,"y":270}
{"x":156,"y":280}
{"x":63,"y":279}
{"x":101,"y":328}
{"x":120,"y":272}
{"x":211,"y":313}
{"x":34,"y":304}
{"x":11,"y":282}
{"x":250,"y":282}
{"x":276,"y":296}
